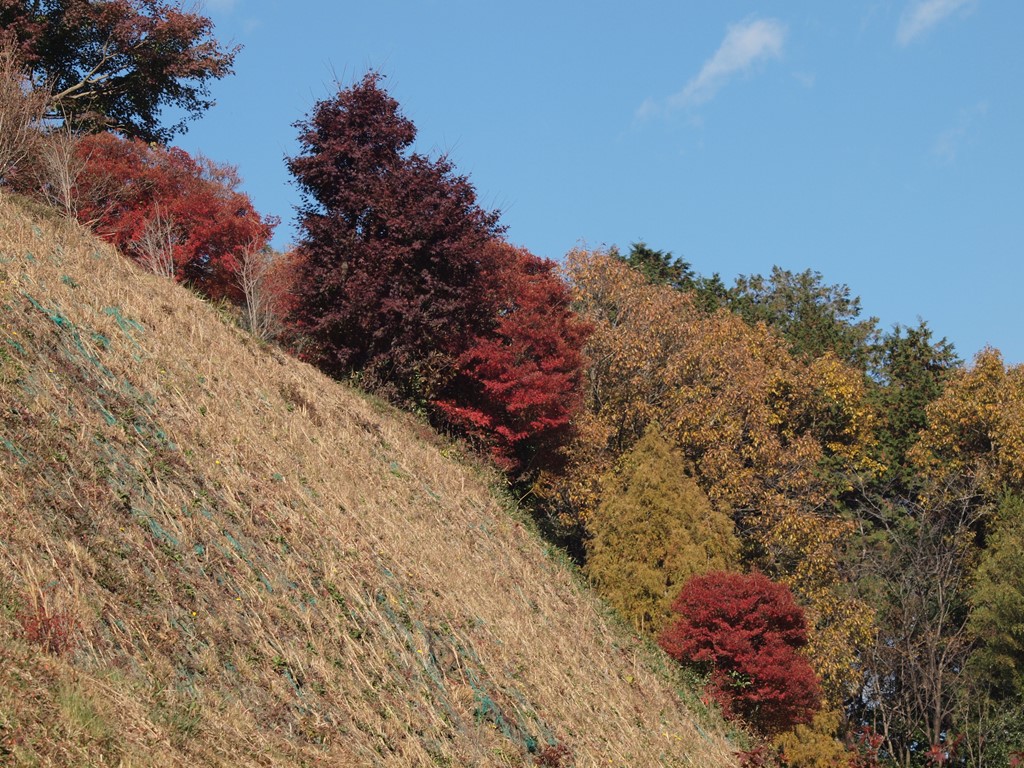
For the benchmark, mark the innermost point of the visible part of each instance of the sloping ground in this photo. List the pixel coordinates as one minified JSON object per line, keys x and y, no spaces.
{"x":210,"y":554}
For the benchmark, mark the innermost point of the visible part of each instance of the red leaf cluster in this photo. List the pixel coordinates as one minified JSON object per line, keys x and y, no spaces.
{"x":865,"y":748}
{"x":518,"y":384}
{"x":52,"y":631}
{"x":126,"y":184}
{"x":746,"y":630}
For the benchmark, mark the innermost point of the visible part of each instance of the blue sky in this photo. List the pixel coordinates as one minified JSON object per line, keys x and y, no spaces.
{"x":880,"y":143}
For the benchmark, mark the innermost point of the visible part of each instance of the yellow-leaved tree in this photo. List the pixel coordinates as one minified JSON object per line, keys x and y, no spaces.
{"x":814,"y":744}
{"x":769,"y":438}
{"x":975,"y":432}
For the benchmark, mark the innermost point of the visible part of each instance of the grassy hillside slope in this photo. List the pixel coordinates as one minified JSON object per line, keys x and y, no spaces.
{"x":210,"y":554}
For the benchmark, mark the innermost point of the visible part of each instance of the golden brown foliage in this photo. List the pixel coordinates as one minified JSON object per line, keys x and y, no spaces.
{"x":975,"y":431}
{"x":756,"y":423}
{"x":758,"y":427}
{"x":814,"y":745}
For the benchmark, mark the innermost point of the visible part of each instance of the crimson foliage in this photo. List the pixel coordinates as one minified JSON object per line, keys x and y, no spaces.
{"x":127,"y":184}
{"x":746,"y":630}
{"x":116,"y":64}
{"x":518,"y":385}
{"x":392,"y":285}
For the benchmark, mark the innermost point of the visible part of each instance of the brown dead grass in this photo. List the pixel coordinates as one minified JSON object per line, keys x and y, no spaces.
{"x":210,"y":554}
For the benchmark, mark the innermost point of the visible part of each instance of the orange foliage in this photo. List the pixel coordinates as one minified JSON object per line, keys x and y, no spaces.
{"x":758,"y":426}
{"x":756,"y":423}
{"x":975,"y":429}
{"x":132,"y":192}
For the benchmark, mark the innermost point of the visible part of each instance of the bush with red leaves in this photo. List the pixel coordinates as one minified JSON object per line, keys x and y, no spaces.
{"x":865,"y":748}
{"x":518,"y":385}
{"x":146,"y":198}
{"x":53,"y":631}
{"x":554,"y":756}
{"x":746,"y":631}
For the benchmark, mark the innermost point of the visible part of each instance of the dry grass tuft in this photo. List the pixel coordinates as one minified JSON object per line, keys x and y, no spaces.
{"x":210,"y":554}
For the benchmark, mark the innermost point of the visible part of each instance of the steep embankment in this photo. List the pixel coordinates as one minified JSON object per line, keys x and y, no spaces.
{"x":212,"y":554}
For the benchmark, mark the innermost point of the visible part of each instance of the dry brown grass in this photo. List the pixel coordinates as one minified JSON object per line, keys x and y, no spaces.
{"x":210,"y":554}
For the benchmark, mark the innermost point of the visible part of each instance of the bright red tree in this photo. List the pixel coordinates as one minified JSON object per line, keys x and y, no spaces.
{"x":518,"y":385}
{"x":392,"y":285}
{"x":747,"y":631}
{"x":134,"y":194}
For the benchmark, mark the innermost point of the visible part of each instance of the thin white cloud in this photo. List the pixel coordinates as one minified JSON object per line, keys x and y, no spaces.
{"x":948,"y":143}
{"x":921,"y":15}
{"x":649,"y":108}
{"x":744,"y":45}
{"x":806,"y":79}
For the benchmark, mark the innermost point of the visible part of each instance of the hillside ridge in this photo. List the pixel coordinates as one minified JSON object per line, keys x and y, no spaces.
{"x":211,"y":554}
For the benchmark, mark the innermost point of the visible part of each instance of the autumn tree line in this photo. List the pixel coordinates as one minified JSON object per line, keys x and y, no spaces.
{"x":822,"y":519}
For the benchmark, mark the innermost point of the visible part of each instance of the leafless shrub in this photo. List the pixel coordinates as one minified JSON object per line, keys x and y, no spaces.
{"x":21,"y":110}
{"x":56,"y":166}
{"x":154,"y":248}
{"x":262,"y":306}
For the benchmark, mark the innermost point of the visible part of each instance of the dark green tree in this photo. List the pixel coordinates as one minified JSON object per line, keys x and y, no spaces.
{"x":812,"y":316}
{"x":661,"y":268}
{"x":997,"y":600}
{"x":994,"y":706}
{"x":117,"y":64}
{"x":909,"y":369}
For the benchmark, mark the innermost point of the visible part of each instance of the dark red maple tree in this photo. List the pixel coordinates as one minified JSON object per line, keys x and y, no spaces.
{"x":116,"y":64}
{"x":392,"y":285}
{"x":518,"y":384}
{"x":746,"y":630}
{"x":127,"y":186}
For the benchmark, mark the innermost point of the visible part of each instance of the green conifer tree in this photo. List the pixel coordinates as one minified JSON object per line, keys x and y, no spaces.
{"x":994,"y":695}
{"x":653,"y":530}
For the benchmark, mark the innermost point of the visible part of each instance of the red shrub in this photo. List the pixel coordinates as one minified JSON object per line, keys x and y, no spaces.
{"x":746,"y":630}
{"x":865,"y":748}
{"x":518,"y":385}
{"x":128,"y":187}
{"x":554,"y":756}
{"x":54,"y":632}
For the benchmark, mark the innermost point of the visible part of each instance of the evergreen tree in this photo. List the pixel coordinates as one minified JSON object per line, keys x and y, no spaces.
{"x":654,"y":529}
{"x":992,"y":706}
{"x":997,"y":602}
{"x":659,"y":267}
{"x":812,"y":316}
{"x":910,"y":370}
